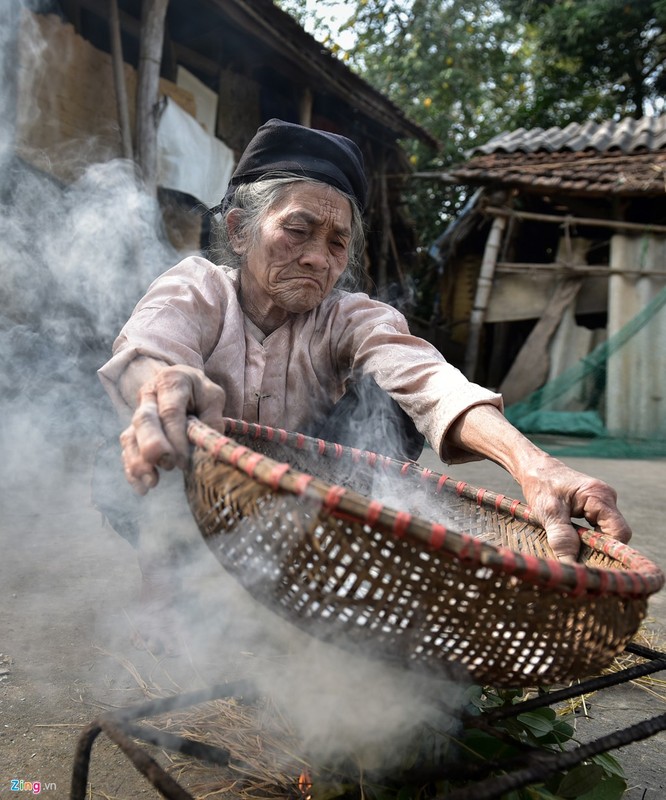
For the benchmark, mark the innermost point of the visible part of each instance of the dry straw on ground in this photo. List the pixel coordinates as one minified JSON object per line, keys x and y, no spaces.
{"x":266,"y":755}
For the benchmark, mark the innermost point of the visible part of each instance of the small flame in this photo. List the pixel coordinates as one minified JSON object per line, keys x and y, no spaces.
{"x":305,"y":785}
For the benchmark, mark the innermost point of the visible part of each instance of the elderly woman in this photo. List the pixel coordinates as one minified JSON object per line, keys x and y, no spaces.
{"x":270,"y":337}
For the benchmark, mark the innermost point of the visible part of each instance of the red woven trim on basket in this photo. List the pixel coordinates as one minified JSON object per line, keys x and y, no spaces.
{"x":375,"y":508}
{"x":401,"y":524}
{"x":219,"y":444}
{"x":554,"y":573}
{"x":471,"y":548}
{"x":277,"y":474}
{"x":302,"y":483}
{"x":388,"y":463}
{"x":512,"y":508}
{"x":437,"y":536}
{"x":235,"y":425}
{"x":253,"y":460}
{"x":641,"y":574}
{"x":479,"y":496}
{"x":356,"y":455}
{"x":575,"y":577}
{"x":333,"y":497}
{"x":638,"y":577}
{"x":237,"y":453}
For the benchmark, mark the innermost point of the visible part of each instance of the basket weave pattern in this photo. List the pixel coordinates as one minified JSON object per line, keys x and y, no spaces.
{"x":473,"y":591}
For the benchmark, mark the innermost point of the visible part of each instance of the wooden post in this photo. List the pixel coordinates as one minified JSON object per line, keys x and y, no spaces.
{"x":119,"y":80}
{"x":10,"y":26}
{"x":153,"y":13}
{"x":483,"y":288}
{"x":384,"y":244}
{"x":636,"y":372}
{"x":305,"y":110}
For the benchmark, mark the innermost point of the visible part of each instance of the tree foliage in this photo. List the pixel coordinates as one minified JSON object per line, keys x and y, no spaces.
{"x":598,"y":59}
{"x":467,"y":70}
{"x":455,"y":68}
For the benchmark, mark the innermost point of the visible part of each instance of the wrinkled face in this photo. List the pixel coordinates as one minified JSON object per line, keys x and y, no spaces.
{"x":302,"y":247}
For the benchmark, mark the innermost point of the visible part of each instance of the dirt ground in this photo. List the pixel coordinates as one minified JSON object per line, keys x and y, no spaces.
{"x":70,"y":587}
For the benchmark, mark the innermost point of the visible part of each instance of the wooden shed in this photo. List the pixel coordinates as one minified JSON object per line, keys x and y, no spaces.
{"x":562,"y":245}
{"x":225,"y":67}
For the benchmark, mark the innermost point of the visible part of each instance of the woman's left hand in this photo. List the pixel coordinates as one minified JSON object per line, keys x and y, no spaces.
{"x":555,"y":492}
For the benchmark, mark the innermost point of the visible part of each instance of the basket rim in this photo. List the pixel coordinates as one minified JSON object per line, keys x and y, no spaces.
{"x":640,"y":578}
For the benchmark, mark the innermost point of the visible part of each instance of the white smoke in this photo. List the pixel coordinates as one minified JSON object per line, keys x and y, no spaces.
{"x":74,"y":259}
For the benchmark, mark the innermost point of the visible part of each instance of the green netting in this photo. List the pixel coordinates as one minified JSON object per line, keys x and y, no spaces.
{"x":573,"y":414}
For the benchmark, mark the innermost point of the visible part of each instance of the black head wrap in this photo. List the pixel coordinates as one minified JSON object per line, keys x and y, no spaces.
{"x":286,"y":147}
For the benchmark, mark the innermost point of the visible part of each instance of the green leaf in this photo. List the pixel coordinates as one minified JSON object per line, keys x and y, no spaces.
{"x":538,"y":723}
{"x":609,"y":764}
{"x":562,"y":732}
{"x":580,"y":780}
{"x":538,"y":793}
{"x":612,"y":788}
{"x":486,"y":747}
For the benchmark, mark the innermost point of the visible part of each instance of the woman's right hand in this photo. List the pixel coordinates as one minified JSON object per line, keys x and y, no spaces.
{"x":157,"y":434}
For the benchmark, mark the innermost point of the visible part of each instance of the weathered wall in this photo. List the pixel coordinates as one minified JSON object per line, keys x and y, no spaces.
{"x":66,"y":115}
{"x":636,"y":378}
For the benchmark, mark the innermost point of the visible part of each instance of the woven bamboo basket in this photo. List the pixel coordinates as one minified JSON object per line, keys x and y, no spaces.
{"x":408,"y":565}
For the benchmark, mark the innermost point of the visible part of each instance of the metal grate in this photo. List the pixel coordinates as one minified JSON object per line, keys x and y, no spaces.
{"x":533,"y":766}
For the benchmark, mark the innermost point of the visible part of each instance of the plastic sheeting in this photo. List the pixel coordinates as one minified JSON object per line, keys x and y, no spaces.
{"x":189,"y":159}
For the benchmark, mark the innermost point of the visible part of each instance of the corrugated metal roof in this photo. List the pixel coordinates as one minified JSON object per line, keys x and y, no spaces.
{"x":628,"y":136}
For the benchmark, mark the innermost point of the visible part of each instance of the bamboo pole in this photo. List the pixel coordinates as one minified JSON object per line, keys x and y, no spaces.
{"x":561,"y":267}
{"x":483,"y":289}
{"x":119,"y":81}
{"x":497,"y":211}
{"x":153,"y":13}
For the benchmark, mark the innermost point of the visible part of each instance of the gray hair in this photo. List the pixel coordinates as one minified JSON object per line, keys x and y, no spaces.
{"x":255,"y":199}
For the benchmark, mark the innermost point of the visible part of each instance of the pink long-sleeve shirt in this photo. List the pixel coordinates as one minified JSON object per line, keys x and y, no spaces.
{"x":191,"y":315}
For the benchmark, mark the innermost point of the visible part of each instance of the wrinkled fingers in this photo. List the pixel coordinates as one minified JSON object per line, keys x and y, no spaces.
{"x":141,"y":475}
{"x":598,"y":503}
{"x":174,"y":390}
{"x":152,"y":439}
{"x":563,"y":540}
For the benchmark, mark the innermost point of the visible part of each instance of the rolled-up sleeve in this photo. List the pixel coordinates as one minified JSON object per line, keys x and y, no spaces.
{"x":377,"y":341}
{"x":177,"y":321}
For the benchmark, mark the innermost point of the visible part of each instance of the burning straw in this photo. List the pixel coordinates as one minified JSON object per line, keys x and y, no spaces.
{"x":262,"y":745}
{"x":269,"y":759}
{"x":268,"y":755}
